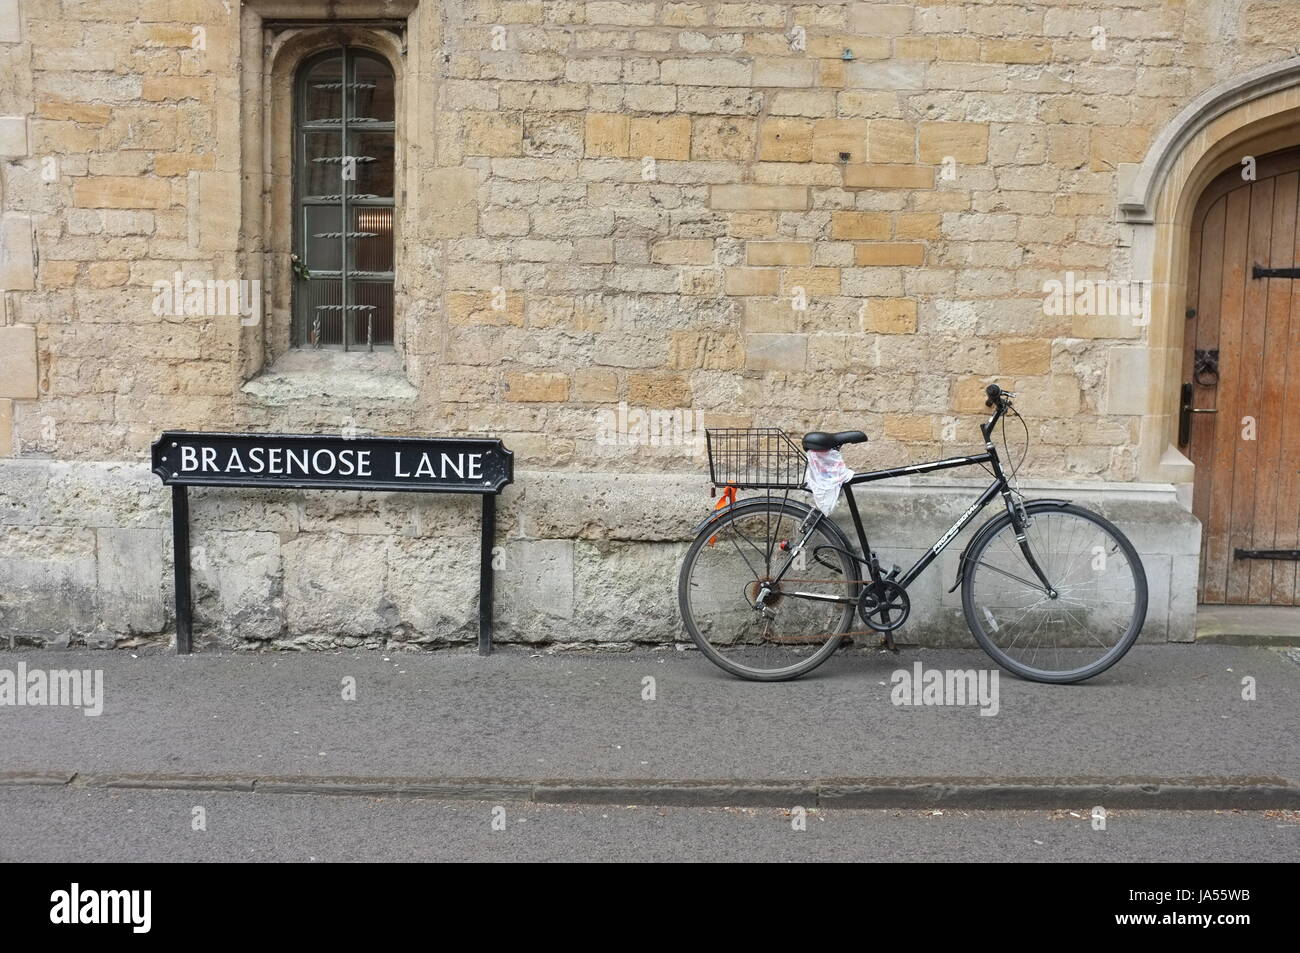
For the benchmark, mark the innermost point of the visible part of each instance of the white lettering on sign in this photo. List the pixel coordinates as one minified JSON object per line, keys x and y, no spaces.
{"x":203,"y":459}
{"x":461,"y":466}
{"x":422,"y":465}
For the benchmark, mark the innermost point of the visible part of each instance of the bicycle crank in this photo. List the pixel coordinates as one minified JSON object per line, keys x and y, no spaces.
{"x":883,"y":598}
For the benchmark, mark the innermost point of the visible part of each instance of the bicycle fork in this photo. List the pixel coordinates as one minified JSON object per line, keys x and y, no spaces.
{"x":1020,"y":523}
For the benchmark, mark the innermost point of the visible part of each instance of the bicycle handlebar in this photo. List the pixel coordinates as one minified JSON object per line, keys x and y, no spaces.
{"x":996,"y":395}
{"x":999,"y":400}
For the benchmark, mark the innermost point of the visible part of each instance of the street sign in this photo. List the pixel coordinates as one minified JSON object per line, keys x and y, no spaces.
{"x":306,"y":461}
{"x":186,"y":458}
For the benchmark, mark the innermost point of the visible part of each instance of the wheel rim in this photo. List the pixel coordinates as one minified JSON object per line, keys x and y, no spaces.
{"x":1098,"y":599}
{"x":743,"y":551}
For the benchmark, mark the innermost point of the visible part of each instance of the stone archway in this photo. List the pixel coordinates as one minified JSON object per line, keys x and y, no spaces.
{"x":1251,"y":115}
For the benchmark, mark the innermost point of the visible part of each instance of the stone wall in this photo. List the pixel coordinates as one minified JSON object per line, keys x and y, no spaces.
{"x":800,"y":214}
{"x":803,"y":215}
{"x":85,"y":552}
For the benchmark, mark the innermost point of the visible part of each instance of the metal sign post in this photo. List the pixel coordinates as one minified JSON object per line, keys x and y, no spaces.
{"x":183,"y":458}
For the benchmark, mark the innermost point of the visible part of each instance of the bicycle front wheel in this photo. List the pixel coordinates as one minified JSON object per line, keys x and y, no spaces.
{"x":1077,"y":626}
{"x":758,"y":604}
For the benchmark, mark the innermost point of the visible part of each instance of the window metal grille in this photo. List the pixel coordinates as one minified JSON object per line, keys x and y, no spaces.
{"x":344,"y":132}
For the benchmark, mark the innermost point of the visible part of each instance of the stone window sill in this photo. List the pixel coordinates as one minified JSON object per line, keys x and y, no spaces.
{"x":355,"y":376}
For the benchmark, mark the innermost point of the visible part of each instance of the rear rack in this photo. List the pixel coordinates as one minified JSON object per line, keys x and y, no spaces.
{"x":755,"y":458}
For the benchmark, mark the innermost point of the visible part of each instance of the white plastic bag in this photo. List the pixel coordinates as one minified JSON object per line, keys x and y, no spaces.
{"x":826,"y":473}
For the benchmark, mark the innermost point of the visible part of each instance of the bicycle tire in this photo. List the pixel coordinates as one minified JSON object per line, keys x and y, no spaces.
{"x":984,"y":539}
{"x":746,"y":509}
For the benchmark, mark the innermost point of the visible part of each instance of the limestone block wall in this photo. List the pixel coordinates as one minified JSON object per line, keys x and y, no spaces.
{"x":797,"y":214}
{"x":800,"y":214}
{"x":85,"y":552}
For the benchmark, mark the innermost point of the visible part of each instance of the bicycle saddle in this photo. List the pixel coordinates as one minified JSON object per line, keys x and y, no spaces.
{"x":817,"y":440}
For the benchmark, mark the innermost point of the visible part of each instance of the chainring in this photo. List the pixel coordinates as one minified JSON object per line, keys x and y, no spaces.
{"x":877,"y":598}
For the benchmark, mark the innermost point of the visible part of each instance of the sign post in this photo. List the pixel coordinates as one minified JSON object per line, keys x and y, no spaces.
{"x":183,"y":458}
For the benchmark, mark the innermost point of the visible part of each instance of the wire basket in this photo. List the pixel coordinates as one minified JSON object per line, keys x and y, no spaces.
{"x":755,"y":458}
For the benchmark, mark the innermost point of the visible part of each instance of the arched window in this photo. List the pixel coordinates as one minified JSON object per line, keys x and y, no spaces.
{"x":343,"y":201}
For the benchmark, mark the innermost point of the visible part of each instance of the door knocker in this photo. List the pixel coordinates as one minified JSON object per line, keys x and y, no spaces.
{"x":1205,"y":367}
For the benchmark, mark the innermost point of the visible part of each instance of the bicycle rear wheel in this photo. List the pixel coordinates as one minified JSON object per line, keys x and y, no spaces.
{"x":1092,"y":613}
{"x":801,"y":618}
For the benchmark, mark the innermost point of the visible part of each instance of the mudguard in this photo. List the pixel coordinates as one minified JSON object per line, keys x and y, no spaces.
{"x":741,"y":504}
{"x":987,"y":528}
{"x":755,"y":501}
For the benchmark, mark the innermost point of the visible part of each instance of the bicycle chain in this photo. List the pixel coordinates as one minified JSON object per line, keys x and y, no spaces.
{"x":796,"y":639}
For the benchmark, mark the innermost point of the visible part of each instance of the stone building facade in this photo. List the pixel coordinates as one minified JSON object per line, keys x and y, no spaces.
{"x":614,"y":223}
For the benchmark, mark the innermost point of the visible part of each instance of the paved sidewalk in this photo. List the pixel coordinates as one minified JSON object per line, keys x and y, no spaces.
{"x":1167,"y":727}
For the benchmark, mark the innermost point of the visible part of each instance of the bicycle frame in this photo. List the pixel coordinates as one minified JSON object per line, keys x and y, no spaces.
{"x":1000,"y":486}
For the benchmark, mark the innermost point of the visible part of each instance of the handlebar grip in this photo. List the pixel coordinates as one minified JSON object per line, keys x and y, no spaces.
{"x":995,"y":395}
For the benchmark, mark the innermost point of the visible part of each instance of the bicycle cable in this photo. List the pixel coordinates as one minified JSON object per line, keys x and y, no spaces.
{"x":1006,"y":445}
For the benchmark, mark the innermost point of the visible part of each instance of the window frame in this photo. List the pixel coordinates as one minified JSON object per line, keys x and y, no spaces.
{"x":302,"y":327}
{"x":275,"y":37}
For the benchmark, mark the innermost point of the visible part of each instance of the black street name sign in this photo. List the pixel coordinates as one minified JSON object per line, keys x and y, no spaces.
{"x":185,"y":458}
{"x":434,"y":465}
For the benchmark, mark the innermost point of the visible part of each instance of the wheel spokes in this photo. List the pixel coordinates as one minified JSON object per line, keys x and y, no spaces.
{"x":1085,"y":619}
{"x":802,"y":611}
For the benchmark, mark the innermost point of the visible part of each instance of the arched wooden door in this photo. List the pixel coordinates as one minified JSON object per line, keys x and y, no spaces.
{"x":1240,"y":422}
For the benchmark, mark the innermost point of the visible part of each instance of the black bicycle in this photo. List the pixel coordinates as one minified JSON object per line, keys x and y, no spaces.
{"x":770,"y":586}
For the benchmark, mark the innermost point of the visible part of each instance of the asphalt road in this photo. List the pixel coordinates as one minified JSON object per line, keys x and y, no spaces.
{"x":68,"y":825}
{"x":1164,"y":711}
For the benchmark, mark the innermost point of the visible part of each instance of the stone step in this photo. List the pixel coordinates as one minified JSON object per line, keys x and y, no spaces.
{"x":1248,"y":625}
